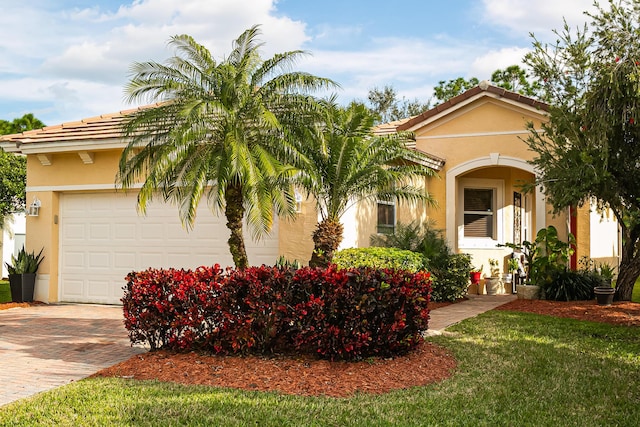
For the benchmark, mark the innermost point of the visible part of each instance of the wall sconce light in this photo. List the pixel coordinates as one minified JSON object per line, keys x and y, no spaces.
{"x":298,"y":197}
{"x":34,"y":207}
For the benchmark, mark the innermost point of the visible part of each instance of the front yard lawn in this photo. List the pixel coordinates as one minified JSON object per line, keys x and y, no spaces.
{"x":514,"y":369}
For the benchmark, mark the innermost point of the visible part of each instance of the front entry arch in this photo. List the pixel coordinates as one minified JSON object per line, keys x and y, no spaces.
{"x":493,"y":159}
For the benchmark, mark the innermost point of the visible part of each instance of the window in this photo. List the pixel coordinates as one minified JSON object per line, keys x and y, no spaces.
{"x":479,"y":210}
{"x":386,"y":217}
{"x":479,"y":218}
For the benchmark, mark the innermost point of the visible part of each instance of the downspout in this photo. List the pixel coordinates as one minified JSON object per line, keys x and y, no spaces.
{"x":573,"y":229}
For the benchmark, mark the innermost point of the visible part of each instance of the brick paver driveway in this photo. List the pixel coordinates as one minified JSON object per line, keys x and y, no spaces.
{"x":47,"y":346}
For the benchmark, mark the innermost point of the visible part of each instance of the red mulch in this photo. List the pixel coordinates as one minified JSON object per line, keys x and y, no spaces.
{"x":619,"y":313}
{"x":303,"y":376}
{"x":8,"y":305}
{"x":310,"y":377}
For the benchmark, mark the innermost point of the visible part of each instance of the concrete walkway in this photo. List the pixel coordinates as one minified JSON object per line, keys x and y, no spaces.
{"x":47,"y":346}
{"x":444,"y":317}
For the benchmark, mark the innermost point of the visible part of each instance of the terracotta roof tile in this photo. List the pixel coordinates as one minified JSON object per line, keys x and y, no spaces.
{"x":105,"y":126}
{"x":482,"y":87}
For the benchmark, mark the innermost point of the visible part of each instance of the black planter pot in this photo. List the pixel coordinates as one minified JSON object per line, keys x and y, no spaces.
{"x":604,"y":295}
{"x":22,"y":287}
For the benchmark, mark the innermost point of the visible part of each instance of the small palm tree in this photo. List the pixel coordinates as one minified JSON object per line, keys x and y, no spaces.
{"x":342,"y":163}
{"x":219,"y":130}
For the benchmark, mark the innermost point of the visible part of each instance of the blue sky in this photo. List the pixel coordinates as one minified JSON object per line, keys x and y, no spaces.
{"x":65,"y":60}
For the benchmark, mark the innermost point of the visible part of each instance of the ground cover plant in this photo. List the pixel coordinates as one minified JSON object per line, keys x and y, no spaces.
{"x":513,"y":368}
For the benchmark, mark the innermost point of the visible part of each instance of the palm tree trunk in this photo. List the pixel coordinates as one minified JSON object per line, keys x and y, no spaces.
{"x":234,"y":211}
{"x":326,"y":240}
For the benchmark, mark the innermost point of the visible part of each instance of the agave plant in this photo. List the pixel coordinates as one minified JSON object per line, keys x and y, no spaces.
{"x":25,"y":262}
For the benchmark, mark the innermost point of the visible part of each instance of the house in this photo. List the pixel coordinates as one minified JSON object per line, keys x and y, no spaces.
{"x":93,"y":236}
{"x":479,"y":137}
{"x":91,"y":232}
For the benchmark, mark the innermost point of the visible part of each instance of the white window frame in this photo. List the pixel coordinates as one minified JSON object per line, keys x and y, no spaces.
{"x":497,"y":185}
{"x":395,"y":215}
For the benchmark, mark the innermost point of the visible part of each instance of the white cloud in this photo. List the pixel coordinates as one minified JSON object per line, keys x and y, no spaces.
{"x":88,"y":52}
{"x":76,"y":61}
{"x":483,"y":66}
{"x":539,"y":17}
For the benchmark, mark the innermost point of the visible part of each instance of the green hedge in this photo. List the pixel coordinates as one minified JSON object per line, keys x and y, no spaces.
{"x":379,"y":258}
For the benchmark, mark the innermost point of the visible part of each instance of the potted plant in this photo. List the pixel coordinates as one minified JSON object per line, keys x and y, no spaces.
{"x":474,"y":276}
{"x":604,"y":294}
{"x":22,"y":274}
{"x":493,"y":282}
{"x":512,"y":268}
{"x":606,"y":272}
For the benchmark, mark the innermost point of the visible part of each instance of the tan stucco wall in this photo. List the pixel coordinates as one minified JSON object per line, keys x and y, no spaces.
{"x":68,"y":169}
{"x":295,"y":235}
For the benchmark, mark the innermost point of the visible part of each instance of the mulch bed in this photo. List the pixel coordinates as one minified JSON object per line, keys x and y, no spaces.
{"x":307,"y":376}
{"x":304,"y":376}
{"x":8,"y":305}
{"x":619,"y":313}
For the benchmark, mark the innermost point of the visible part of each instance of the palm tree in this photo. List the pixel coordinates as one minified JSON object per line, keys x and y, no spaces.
{"x":343,"y":163}
{"x":219,"y":130}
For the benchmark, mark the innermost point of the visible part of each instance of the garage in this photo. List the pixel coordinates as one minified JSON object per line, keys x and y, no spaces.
{"x":102,"y":238}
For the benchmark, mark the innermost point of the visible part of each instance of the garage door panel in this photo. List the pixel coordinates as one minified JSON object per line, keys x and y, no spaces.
{"x":73,"y":259}
{"x":73,"y":289}
{"x":125,"y":232}
{"x":103,"y":238}
{"x":152,"y":232}
{"x":100,"y":260}
{"x":98,"y":288}
{"x":125,"y":260}
{"x":74,"y":231}
{"x":100,"y":232}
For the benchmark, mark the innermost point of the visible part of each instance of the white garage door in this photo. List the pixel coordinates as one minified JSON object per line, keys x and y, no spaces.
{"x":102,"y":238}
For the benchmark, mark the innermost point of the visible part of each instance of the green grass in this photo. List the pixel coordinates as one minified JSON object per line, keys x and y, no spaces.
{"x":635,"y":296}
{"x":5,"y":291}
{"x":514,"y":369}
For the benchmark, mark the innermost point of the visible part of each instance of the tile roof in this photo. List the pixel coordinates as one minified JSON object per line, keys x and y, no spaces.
{"x":484,"y":86}
{"x":105,"y":126}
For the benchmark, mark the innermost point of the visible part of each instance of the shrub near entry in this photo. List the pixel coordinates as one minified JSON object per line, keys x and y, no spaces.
{"x":336,"y":314}
{"x":376,"y":257}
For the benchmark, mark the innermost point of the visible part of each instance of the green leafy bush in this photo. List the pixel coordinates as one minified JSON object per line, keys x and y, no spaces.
{"x":379,"y":258}
{"x":450,"y":271}
{"x":450,"y":276}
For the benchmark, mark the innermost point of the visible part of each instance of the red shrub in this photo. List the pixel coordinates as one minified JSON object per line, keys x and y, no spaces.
{"x":346,"y":314}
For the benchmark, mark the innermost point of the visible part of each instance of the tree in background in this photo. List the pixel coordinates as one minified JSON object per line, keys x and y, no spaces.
{"x":386,"y":105}
{"x":452,"y":88}
{"x":589,"y":150}
{"x":343,"y":163}
{"x":20,"y":124}
{"x":219,"y":130}
{"x":516,"y":79}
{"x":13,"y":168}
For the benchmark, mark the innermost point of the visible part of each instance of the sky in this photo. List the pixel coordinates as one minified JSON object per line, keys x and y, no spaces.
{"x":65,"y":60}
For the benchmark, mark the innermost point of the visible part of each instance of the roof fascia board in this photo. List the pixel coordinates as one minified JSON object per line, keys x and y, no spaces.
{"x":457,"y":107}
{"x":62,"y":147}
